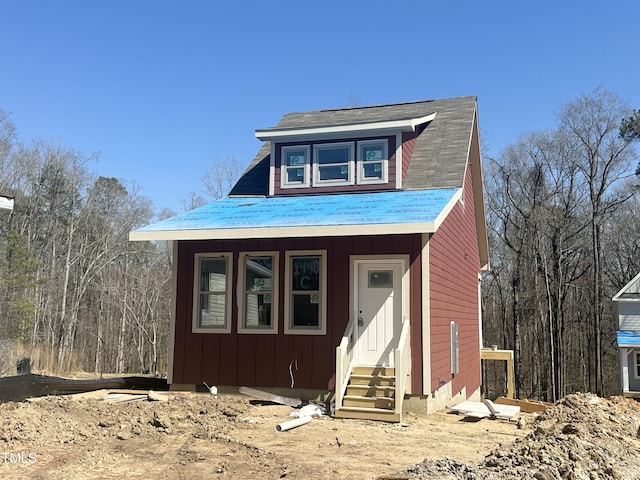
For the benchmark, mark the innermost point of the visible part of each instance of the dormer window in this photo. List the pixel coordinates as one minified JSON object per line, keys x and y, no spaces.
{"x":333,"y":164}
{"x":372,"y":161}
{"x":295,"y":167}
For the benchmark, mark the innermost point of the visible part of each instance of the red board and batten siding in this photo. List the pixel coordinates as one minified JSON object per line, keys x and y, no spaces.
{"x":264,"y":360}
{"x":454,"y":265}
{"x":408,"y":144}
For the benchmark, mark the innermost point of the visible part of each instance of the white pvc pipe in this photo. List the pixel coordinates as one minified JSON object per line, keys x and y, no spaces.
{"x":288,"y":425}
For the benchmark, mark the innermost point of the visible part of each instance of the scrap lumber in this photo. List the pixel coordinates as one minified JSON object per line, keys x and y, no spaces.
{"x":526,"y":406}
{"x":165,"y":396}
{"x":124,"y":397}
{"x":270,"y":397}
{"x":21,"y":387}
{"x":486,"y":409}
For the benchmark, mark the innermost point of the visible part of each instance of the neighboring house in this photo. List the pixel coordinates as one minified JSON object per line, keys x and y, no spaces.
{"x":628,"y":301}
{"x":347,"y":258}
{"x":6,"y":201}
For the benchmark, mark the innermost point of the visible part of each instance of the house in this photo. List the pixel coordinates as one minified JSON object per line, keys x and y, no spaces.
{"x":6,"y":201}
{"x":628,"y":337}
{"x":346,"y":259}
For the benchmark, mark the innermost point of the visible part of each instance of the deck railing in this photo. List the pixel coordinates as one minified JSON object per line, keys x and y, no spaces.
{"x":402,"y":359}
{"x":344,"y":362}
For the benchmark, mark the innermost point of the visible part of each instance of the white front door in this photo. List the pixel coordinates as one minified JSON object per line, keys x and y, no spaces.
{"x":379,"y":311}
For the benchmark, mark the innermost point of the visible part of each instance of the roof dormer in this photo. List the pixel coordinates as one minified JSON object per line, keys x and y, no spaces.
{"x":311,"y":156}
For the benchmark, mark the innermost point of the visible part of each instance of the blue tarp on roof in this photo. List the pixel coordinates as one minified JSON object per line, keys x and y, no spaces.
{"x":628,"y":338}
{"x":396,"y":207}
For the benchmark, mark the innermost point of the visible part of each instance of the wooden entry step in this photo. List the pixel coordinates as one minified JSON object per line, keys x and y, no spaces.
{"x":370,"y":395}
{"x":379,"y":414}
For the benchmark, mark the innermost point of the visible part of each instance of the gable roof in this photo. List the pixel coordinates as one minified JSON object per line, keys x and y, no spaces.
{"x":630,"y":292}
{"x":439,"y":155}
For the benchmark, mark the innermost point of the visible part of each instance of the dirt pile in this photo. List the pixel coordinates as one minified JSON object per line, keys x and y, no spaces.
{"x":581,"y":437}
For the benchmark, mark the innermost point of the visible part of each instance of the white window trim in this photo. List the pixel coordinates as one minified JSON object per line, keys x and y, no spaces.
{"x":288,"y":308}
{"x":316,"y":165}
{"x":196,"y":328}
{"x":385,"y":162}
{"x":273,"y":329}
{"x":283,"y":166}
{"x":636,"y":354}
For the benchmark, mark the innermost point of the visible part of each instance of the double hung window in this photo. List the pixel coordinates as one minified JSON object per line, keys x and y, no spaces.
{"x":306,"y":284}
{"x":333,"y":164}
{"x":372,"y":161}
{"x":295,"y":171}
{"x":212,"y":295}
{"x":259,"y":281}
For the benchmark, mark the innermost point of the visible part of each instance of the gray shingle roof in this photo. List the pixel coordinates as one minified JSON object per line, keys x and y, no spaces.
{"x":439,"y":156}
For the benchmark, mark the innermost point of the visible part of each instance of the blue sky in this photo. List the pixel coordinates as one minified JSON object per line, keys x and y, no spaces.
{"x":162,"y":88}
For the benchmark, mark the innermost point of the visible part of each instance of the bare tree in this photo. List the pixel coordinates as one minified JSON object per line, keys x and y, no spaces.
{"x":604,"y":160}
{"x":221,"y":177}
{"x":552,"y":196}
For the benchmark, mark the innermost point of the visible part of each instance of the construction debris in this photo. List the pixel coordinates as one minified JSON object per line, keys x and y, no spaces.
{"x":526,"y":406}
{"x":21,"y":387}
{"x":486,"y":409}
{"x":121,"y":395}
{"x":270,"y":397}
{"x":289,"y":424}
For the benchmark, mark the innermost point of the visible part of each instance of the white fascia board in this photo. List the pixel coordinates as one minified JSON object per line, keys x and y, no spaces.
{"x":334,"y":131}
{"x":284,"y":232}
{"x":616,"y":297}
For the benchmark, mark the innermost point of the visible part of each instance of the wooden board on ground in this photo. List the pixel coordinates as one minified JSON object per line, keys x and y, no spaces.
{"x":526,"y":406}
{"x":124,"y":397}
{"x":486,"y":409}
{"x":165,"y":396}
{"x":270,"y":397}
{"x":120,"y":395}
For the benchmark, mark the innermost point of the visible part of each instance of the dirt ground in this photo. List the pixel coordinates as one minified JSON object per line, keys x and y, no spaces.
{"x":232,"y":436}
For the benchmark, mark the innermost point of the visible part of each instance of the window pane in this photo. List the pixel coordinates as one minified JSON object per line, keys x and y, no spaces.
{"x":295,"y":158}
{"x":372,"y":170}
{"x":212,"y":310}
{"x":339,"y":172}
{"x":258,"y":310}
{"x":380,"y":279}
{"x":295,"y":175}
{"x":305,"y":273}
{"x":258,"y":284}
{"x":372,"y":153}
{"x":333,"y":155}
{"x":258,"y":273}
{"x":213,"y":274}
{"x":306,"y":310}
